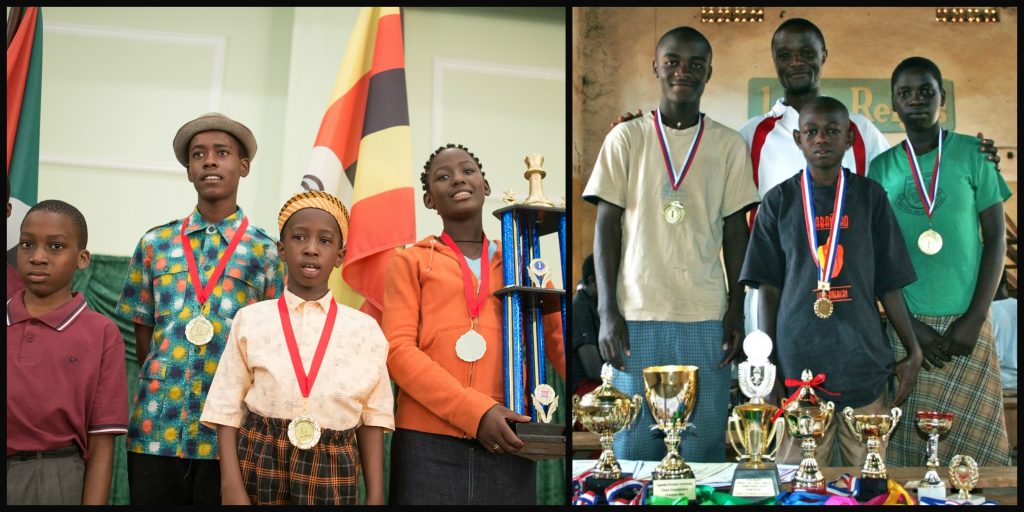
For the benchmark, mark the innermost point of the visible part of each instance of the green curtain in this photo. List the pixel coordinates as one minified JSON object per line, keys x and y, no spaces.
{"x":101,"y":284}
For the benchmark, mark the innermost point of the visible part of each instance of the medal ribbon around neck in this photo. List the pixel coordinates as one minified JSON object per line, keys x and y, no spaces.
{"x":927,"y":195}
{"x":474,"y":304}
{"x":203,"y":291}
{"x":677,"y":179}
{"x":824,"y":271}
{"x":306,"y":381}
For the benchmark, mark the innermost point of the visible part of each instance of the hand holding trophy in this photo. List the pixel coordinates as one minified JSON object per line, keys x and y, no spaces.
{"x":756,"y":475}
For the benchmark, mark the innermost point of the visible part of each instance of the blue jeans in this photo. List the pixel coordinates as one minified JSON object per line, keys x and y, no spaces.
{"x":434,"y":469}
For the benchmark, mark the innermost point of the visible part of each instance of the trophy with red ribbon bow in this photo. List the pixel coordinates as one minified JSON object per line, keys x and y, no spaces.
{"x":526,"y":297}
{"x":807,"y":418}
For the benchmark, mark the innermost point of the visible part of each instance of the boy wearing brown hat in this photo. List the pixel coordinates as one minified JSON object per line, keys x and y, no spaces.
{"x":185,"y":282}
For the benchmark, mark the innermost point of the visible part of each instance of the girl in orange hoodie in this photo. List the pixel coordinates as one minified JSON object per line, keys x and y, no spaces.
{"x":452,"y":443}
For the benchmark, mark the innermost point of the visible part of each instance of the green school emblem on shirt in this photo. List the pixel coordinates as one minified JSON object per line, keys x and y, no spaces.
{"x":869,"y":97}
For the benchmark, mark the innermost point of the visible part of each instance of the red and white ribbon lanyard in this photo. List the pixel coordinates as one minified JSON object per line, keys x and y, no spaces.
{"x":203,"y":291}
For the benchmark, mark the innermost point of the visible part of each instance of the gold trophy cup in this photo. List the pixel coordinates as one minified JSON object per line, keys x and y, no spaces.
{"x":807,"y":418}
{"x":873,"y":430}
{"x":756,"y":475}
{"x":605,"y":411}
{"x":672,"y":394}
{"x":934,"y":425}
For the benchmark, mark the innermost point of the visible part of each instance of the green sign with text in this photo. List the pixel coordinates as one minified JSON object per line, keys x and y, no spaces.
{"x":869,"y":97}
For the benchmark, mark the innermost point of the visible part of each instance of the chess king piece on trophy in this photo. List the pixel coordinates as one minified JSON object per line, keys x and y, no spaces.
{"x":934,"y":425}
{"x":526,"y":296}
{"x":672,"y":394}
{"x":605,"y":411}
{"x":756,"y":475}
{"x":807,"y":418}
{"x":963,"y":474}
{"x":873,"y":430}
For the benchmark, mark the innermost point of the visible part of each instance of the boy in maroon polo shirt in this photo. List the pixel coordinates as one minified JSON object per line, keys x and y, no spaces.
{"x":66,"y":386}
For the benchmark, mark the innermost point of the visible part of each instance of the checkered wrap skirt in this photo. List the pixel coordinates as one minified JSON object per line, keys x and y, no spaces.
{"x":969,"y":387}
{"x":657,"y":343}
{"x":276,"y":473}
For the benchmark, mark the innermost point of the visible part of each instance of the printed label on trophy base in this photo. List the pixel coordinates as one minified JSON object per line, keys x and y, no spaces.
{"x":675,"y":488}
{"x":871,"y":487}
{"x":598,"y":485}
{"x":543,"y":440}
{"x":755,"y":483}
{"x":931,"y":491}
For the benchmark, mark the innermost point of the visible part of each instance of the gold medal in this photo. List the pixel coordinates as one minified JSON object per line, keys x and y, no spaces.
{"x":304,"y":432}
{"x":823,"y":307}
{"x":470,"y":346}
{"x":674,"y":212}
{"x":199,"y":331}
{"x":930,"y":242}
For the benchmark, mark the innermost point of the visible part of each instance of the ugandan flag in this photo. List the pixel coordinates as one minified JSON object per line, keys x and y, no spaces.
{"x":363,"y":154}
{"x":24,"y":76}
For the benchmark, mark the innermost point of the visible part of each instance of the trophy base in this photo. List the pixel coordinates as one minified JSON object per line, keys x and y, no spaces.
{"x":871,"y":487}
{"x":598,"y":485}
{"x":759,"y":483}
{"x":675,"y":488}
{"x":931,"y":491}
{"x":543,"y":440}
{"x":975,"y":500}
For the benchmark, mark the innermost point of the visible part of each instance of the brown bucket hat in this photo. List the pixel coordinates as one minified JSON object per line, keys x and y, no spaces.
{"x":210,"y":122}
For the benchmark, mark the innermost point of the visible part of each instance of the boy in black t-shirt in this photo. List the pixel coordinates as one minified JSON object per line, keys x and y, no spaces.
{"x":818,"y":281}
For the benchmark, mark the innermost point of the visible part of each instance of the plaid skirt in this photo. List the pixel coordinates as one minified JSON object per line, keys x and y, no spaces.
{"x":968,"y":387}
{"x":276,"y":473}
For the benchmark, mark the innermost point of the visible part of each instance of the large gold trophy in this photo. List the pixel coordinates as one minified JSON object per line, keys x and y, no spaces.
{"x":756,"y":475}
{"x":605,"y":411}
{"x":526,"y":297}
{"x":934,"y":425}
{"x":672,"y":394}
{"x":873,"y":430}
{"x":807,"y":418}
